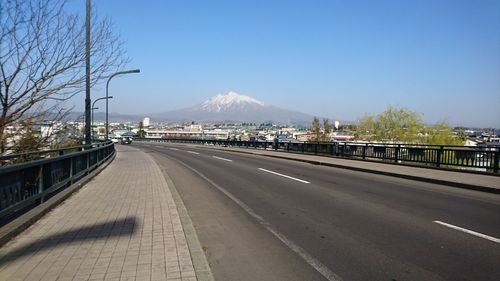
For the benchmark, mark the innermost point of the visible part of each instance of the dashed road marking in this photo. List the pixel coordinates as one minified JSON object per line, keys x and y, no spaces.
{"x":484,"y":236}
{"x":285,"y":176}
{"x":220,"y":158}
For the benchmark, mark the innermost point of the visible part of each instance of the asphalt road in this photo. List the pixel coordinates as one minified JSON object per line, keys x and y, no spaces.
{"x":263,"y":218}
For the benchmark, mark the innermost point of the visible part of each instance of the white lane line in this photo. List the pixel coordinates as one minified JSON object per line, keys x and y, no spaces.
{"x":496,"y":240}
{"x":193,"y":152}
{"x":158,"y":146}
{"x":220,"y":158}
{"x":171,"y":148}
{"x":285,"y":176}
{"x":312,"y":261}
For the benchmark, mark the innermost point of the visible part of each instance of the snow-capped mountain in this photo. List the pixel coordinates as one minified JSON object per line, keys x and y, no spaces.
{"x":228,"y":102}
{"x":236,"y":108}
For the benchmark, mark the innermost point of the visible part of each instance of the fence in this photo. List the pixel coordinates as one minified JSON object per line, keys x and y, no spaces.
{"x":24,"y":185}
{"x":452,"y":157}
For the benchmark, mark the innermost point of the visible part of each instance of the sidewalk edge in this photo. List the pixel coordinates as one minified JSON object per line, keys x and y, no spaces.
{"x":200,"y":263}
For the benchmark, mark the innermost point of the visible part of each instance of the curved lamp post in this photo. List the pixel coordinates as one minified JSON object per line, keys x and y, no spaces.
{"x":107,"y":85}
{"x":92,"y":119}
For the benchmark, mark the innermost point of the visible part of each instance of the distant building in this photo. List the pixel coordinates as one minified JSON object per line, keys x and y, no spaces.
{"x":188,"y":134}
{"x":195,"y":128}
{"x":146,"y":122}
{"x":336,"y":124}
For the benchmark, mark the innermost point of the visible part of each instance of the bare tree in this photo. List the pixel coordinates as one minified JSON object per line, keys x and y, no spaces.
{"x":42,"y":57}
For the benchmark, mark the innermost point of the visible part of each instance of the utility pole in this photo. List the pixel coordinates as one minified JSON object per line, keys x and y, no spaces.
{"x":88,"y":137}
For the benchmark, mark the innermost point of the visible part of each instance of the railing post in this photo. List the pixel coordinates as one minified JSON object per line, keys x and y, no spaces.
{"x":88,"y":162}
{"x":343,"y":150}
{"x":364,"y":150}
{"x":496,"y":160}
{"x":40,"y":182}
{"x":396,"y":153}
{"x":316,"y":147}
{"x":71,"y":172}
{"x":439,"y":155}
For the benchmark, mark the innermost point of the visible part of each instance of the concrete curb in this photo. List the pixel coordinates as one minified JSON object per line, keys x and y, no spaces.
{"x":18,"y":225}
{"x":200,"y":263}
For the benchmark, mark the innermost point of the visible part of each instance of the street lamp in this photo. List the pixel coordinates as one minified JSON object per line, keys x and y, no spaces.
{"x":81,"y":117}
{"x":107,"y":84}
{"x":92,"y":120}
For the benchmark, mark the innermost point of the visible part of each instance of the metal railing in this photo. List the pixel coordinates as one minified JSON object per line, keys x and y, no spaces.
{"x":27,"y":184}
{"x":484,"y":159}
{"x":16,"y":158}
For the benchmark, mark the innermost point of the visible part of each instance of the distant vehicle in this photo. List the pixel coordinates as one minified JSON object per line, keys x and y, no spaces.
{"x":114,"y":140}
{"x":126,"y":140}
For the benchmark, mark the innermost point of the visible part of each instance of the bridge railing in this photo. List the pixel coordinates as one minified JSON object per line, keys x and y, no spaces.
{"x":16,"y":158}
{"x":484,"y":159}
{"x":27,"y":184}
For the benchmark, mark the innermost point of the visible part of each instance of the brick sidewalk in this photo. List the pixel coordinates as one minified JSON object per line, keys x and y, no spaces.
{"x":123,"y":225}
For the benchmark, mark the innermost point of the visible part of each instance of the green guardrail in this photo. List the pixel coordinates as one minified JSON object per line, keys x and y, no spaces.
{"x":24,"y":185}
{"x":485,"y":159}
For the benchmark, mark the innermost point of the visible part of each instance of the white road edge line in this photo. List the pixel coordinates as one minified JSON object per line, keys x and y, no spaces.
{"x":193,"y":152}
{"x":285,"y":176}
{"x":171,"y":148}
{"x":220,"y":158}
{"x":312,"y":261}
{"x":496,"y":240}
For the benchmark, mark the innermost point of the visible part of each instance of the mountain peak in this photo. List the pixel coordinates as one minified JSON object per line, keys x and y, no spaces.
{"x":229,"y":101}
{"x":233,"y":107}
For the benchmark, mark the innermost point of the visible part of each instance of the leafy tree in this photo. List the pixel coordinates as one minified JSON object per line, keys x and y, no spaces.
{"x":367,"y":128}
{"x":404,"y":126}
{"x":316,"y":130}
{"x":141,"y":133}
{"x":392,"y":125}
{"x":442,"y":134}
{"x":399,"y":125}
{"x":27,"y":141}
{"x":326,"y":130}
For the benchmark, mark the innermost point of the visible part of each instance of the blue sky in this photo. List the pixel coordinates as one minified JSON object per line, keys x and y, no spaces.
{"x":339,"y":59}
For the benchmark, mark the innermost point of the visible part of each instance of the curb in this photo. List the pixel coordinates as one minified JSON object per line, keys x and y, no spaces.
{"x":200,"y":263}
{"x":18,"y":225}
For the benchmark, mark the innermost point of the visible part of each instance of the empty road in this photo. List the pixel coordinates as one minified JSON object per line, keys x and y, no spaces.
{"x":262,"y":218}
